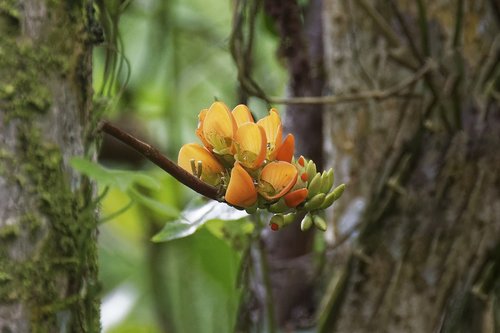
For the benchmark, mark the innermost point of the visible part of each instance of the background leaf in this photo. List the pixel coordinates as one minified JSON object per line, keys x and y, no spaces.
{"x":201,"y":272}
{"x":155,"y":205}
{"x":122,"y":179}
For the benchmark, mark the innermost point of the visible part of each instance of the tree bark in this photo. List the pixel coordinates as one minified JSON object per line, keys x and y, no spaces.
{"x":48,"y":226}
{"x":422,"y":172}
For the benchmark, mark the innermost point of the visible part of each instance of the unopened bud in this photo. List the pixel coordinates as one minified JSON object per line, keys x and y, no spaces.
{"x":311,"y":170}
{"x":315,"y":202}
{"x":306,"y":223}
{"x":338,"y":191}
{"x":319,"y":222}
{"x":314,"y":186}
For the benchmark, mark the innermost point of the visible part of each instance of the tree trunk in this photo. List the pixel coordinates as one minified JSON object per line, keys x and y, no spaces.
{"x":48,"y":228}
{"x":420,"y":162}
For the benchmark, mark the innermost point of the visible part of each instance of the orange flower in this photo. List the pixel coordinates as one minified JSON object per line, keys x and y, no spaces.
{"x":241,"y":189}
{"x":250,"y":142}
{"x":295,"y":198}
{"x":199,"y":130}
{"x":285,"y":152}
{"x":242,"y":115}
{"x":274,"y":132}
{"x":211,"y":169}
{"x":276,"y":179}
{"x":218,"y":128}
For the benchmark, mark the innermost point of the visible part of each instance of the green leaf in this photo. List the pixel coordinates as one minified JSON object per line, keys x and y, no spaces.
{"x":92,"y":170}
{"x":136,"y":177}
{"x":174,"y":230}
{"x":195,"y":217}
{"x":157,"y":206}
{"x":122,"y":179}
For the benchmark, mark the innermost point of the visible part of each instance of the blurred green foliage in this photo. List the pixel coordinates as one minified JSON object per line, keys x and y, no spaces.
{"x":161,"y":63}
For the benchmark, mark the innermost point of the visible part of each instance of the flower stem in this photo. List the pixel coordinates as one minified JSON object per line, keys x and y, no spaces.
{"x":162,"y":161}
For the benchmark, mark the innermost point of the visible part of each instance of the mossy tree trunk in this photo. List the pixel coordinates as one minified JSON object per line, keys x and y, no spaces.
{"x":48,"y":265}
{"x":422,"y":170}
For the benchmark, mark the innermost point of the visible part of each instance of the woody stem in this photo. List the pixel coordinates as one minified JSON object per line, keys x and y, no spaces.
{"x":155,"y":156}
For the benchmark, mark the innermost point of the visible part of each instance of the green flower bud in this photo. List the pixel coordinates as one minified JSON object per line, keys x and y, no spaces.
{"x":276,"y":222}
{"x":314,"y":186}
{"x":315,"y":202}
{"x":319,"y":222}
{"x":327,"y":181}
{"x":329,"y":199}
{"x":289,"y":218}
{"x":338,"y":191}
{"x":279,"y":221}
{"x":306,"y":223}
{"x":310,"y":170}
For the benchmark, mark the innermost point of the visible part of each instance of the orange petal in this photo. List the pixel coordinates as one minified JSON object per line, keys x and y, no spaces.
{"x":250,"y":141}
{"x":242,"y":115}
{"x":240,"y":190}
{"x":301,"y":161}
{"x":219,"y":128}
{"x":211,"y":167}
{"x":276,"y":179}
{"x":199,"y":130}
{"x":295,"y":198}
{"x":285,"y":152}
{"x":272,"y":126}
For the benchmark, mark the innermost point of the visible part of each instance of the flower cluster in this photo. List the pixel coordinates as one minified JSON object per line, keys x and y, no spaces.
{"x":253,"y":166}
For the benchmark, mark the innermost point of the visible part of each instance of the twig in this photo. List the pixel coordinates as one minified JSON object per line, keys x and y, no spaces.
{"x":489,"y":62}
{"x":428,"y":78}
{"x":406,"y":30}
{"x":361,"y":96}
{"x":459,"y":65}
{"x":162,"y":161}
{"x":381,"y":23}
{"x":459,"y":17}
{"x":241,"y":47}
{"x":424,"y":29}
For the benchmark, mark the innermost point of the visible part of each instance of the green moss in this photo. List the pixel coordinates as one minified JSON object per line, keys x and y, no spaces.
{"x":9,"y":232}
{"x":23,"y":75}
{"x":4,"y":277}
{"x":10,"y":8}
{"x":67,"y":252}
{"x":27,"y":67}
{"x":5,"y":158}
{"x":30,"y":222}
{"x":69,"y":249}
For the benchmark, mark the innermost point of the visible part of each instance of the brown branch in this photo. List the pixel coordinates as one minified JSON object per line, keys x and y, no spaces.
{"x":394,"y":91}
{"x":162,"y":161}
{"x":381,"y":23}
